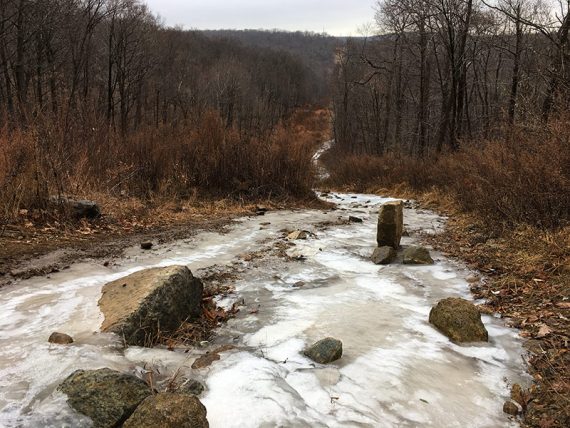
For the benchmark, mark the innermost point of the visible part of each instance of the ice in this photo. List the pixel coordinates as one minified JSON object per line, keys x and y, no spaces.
{"x":396,"y":370}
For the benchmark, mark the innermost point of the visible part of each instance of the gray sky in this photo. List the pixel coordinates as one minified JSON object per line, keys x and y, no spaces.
{"x":336,"y":17}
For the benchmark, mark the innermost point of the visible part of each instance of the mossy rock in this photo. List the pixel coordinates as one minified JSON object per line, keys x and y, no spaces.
{"x":459,"y":320}
{"x":106,"y":396}
{"x":325,"y":351}
{"x":417,"y":256}
{"x":169,"y":410}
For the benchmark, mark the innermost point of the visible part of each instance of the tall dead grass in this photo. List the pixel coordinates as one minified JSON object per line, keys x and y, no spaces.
{"x":207,"y":160}
{"x":523,"y":178}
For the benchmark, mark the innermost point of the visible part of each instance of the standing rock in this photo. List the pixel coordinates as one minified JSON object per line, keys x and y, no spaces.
{"x":383,"y":255}
{"x":417,"y":256}
{"x":140,"y":305}
{"x":390,"y":224}
{"x":169,"y":410}
{"x":325,"y":351}
{"x":106,"y":396}
{"x":459,"y":320}
{"x":60,"y":338}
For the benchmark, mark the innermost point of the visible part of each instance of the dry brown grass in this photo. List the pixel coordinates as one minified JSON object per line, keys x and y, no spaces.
{"x":155,"y":166}
{"x":522,"y":179}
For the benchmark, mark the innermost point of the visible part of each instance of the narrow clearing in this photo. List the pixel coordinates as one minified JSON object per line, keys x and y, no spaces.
{"x":396,"y":369}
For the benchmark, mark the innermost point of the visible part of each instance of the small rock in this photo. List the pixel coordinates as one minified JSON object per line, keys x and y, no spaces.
{"x":261,"y":210}
{"x":106,"y":396}
{"x":417,"y":256}
{"x":191,"y":386}
{"x":299,"y":284}
{"x":325,"y":351}
{"x":405,"y":233}
{"x":146,"y":245}
{"x":383,"y":255}
{"x":459,"y":320}
{"x":517,"y":394}
{"x":207,"y":359}
{"x":169,"y":410}
{"x":60,"y":338}
{"x":354,"y":219}
{"x":472,"y":279}
{"x":510,"y":408}
{"x":298,"y":234}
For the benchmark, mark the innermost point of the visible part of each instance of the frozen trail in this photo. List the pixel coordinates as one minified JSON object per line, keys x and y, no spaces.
{"x":396,"y":371}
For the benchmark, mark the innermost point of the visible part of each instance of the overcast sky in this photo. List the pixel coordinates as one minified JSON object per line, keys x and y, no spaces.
{"x":336,"y":17}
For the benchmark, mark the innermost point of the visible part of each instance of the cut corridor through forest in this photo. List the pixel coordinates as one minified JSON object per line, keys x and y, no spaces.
{"x":396,"y":370}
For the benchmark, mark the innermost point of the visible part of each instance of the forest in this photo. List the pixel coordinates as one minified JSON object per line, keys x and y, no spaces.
{"x":248,"y":176}
{"x":457,"y":94}
{"x":98,"y":95}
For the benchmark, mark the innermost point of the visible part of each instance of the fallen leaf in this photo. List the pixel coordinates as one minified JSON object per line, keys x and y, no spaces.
{"x":563,"y":305}
{"x":543,"y":331}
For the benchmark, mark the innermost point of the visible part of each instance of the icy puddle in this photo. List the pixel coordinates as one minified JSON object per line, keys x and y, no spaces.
{"x":396,"y":370}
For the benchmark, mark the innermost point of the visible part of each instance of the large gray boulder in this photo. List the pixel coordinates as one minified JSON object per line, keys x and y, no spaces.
{"x":169,"y":410}
{"x":325,"y":351}
{"x":459,"y":320}
{"x":390,"y":224}
{"x":145,"y":303}
{"x":106,"y":396}
{"x":417,"y":256}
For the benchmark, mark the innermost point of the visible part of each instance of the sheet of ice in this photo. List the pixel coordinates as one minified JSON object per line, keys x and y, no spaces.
{"x":396,"y":369}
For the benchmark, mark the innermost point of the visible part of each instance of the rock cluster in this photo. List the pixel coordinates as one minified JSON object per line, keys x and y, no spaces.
{"x":113,"y":399}
{"x":106,"y":396}
{"x":389,"y":235}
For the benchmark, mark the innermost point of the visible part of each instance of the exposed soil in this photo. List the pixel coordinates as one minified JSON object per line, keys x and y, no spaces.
{"x":35,"y":246}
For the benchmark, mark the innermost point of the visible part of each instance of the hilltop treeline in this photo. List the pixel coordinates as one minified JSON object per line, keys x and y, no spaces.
{"x":98,"y":95}
{"x":315,"y":50}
